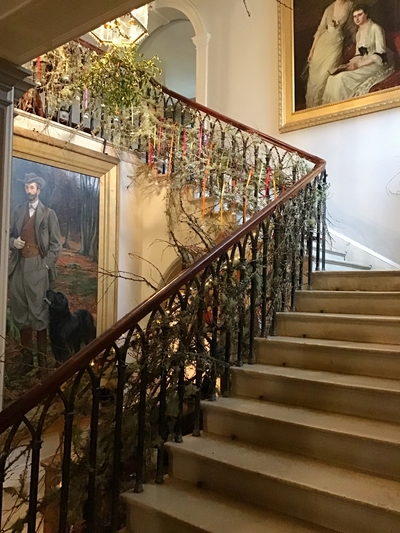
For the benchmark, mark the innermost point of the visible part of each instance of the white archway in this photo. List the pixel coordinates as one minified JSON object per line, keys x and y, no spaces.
{"x":200,"y":40}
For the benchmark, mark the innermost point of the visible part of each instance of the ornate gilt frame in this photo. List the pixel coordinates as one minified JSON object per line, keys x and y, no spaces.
{"x":289,"y":119}
{"x":44,"y":149}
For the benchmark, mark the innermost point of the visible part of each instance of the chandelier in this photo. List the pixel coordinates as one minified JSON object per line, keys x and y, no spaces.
{"x":131,"y":27}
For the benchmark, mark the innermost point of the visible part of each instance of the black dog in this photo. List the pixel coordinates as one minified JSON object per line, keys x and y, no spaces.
{"x":68,"y":331}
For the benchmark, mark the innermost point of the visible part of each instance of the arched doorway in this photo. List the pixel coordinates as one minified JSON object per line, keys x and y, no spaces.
{"x":175,"y":26}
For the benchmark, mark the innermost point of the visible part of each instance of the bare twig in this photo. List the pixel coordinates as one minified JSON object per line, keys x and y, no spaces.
{"x":247,"y":9}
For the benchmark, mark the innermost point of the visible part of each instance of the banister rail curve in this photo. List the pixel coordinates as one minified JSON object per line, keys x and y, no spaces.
{"x":240,"y":126}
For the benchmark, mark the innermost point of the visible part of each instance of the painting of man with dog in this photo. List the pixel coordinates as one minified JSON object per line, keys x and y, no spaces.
{"x":72,"y":199}
{"x":35,"y":245}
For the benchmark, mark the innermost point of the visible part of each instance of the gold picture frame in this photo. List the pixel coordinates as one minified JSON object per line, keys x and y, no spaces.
{"x":304,"y":16}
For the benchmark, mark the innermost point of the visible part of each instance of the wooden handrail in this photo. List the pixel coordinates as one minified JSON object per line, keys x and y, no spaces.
{"x":314,"y":159}
{"x":51,"y":383}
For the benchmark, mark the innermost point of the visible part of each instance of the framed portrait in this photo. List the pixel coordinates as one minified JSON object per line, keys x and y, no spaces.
{"x":81,"y":187}
{"x":318,"y":39}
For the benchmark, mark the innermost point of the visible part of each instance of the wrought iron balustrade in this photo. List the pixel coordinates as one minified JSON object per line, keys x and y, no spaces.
{"x":133,"y":387}
{"x":191,"y":145}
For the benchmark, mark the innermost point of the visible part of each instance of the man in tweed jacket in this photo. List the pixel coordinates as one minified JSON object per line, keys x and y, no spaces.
{"x":35,"y":244}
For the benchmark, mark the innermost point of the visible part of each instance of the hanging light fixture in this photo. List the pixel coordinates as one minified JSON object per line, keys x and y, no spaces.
{"x":131,"y":27}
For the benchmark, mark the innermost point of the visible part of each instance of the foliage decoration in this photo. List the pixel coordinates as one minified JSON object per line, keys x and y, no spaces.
{"x":117,"y":80}
{"x":214,"y":176}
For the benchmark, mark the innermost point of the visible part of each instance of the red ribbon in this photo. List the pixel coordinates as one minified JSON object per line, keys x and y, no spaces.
{"x":267,"y":180}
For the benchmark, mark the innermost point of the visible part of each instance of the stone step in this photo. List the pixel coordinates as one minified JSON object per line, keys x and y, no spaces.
{"x":366,"y":359}
{"x":333,"y":265}
{"x":331,"y":253}
{"x":363,"y":396}
{"x":356,"y":328}
{"x":373,"y":280}
{"x":344,"y":500}
{"x":180,"y":507}
{"x":349,"y":302}
{"x":368,"y":445}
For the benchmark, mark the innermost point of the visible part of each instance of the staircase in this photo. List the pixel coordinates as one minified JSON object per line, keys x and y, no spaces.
{"x":309,"y":440}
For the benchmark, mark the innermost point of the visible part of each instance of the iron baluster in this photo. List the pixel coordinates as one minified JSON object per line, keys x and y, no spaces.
{"x":225,"y":379}
{"x":264,"y":287}
{"x":181,"y":395}
{"x":200,"y":353}
{"x":197,"y":399}
{"x":276,"y":273}
{"x":319,"y":222}
{"x":294,"y":247}
{"x":91,"y":520}
{"x":309,"y":249}
{"x":253,"y":292}
{"x":66,"y":456}
{"x":162,"y":430}
{"x":301,"y":247}
{"x":66,"y":472}
{"x":36,"y":445}
{"x":241,"y":306}
{"x":116,"y":465}
{"x":214,"y":362}
{"x":323,"y":219}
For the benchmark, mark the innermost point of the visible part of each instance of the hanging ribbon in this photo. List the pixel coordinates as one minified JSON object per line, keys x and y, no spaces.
{"x":86,"y":98}
{"x":203,"y":199}
{"x":259,"y":182}
{"x":171,"y":150}
{"x":159,"y":140}
{"x":274,"y":185}
{"x":221,"y":205}
{"x":184,"y":142}
{"x":268,"y":177}
{"x":245,"y":196}
{"x":38,"y":65}
{"x":200,"y":139}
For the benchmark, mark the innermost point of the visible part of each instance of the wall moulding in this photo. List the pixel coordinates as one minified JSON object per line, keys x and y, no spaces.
{"x":201,"y":41}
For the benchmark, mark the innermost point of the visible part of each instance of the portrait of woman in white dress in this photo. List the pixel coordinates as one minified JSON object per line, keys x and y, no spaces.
{"x":327,"y":49}
{"x":372,"y":62}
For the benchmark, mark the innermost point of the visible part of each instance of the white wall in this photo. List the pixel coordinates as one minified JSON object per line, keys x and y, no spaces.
{"x":174,"y":46}
{"x":363,"y":153}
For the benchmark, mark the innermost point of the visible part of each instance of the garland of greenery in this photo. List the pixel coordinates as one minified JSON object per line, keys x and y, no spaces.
{"x":214,"y":178}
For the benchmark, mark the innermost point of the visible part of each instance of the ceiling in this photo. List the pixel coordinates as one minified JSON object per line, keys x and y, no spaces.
{"x":29,"y":28}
